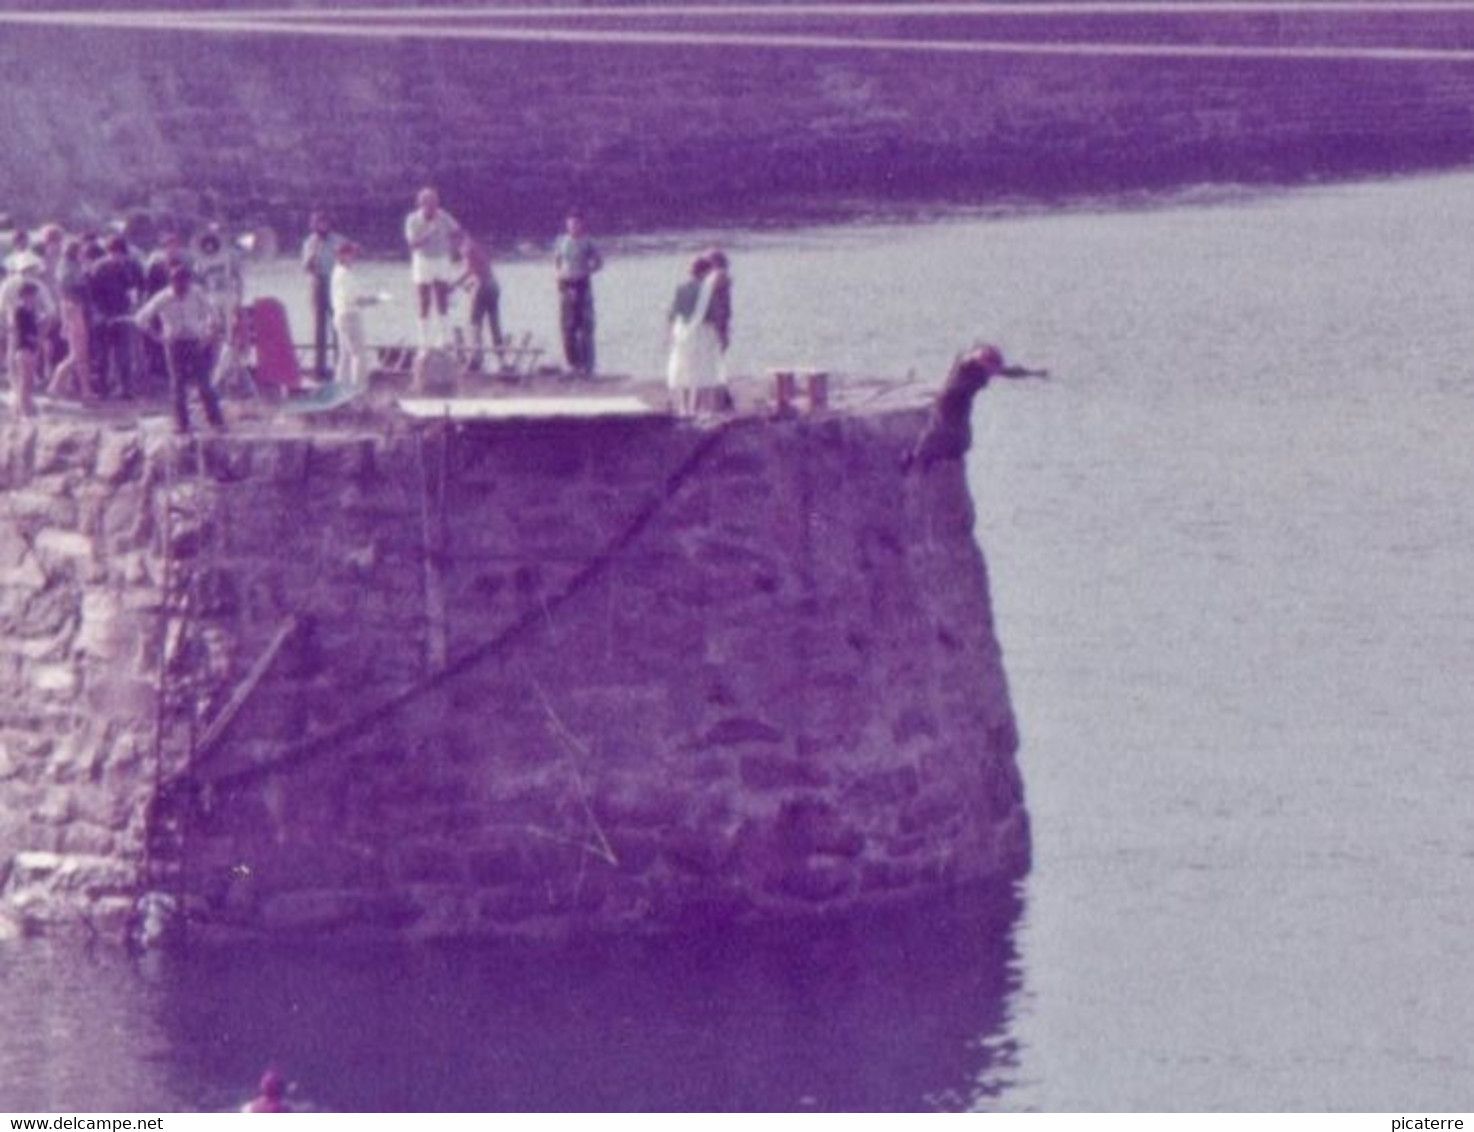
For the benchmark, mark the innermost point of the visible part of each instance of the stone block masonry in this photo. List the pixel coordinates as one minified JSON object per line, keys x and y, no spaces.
{"x":519,"y":679}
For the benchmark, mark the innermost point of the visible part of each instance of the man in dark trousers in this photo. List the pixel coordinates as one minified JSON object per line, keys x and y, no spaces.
{"x":114,"y":285}
{"x":577,"y":260}
{"x":189,"y":325}
{"x":319,"y":257}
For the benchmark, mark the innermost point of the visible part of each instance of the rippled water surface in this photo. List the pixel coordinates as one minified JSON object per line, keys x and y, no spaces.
{"x":1231,"y":546}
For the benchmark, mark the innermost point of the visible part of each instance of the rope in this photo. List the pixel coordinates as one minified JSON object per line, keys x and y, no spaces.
{"x":521,"y":627}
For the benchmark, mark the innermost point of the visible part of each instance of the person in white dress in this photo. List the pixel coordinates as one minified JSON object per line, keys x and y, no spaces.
{"x":349,"y":300}
{"x":695,"y":362}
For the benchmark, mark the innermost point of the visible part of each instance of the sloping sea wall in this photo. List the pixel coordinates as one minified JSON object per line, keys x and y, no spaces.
{"x":504,"y":679}
{"x":263,"y":127}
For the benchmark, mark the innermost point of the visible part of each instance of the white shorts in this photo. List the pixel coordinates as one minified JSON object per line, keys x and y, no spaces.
{"x":425,"y":269}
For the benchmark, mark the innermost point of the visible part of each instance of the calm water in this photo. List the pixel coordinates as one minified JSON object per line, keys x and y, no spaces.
{"x":1231,"y":548}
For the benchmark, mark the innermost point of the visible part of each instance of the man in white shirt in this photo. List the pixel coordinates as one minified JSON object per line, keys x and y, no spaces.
{"x":348,"y":303}
{"x":189,"y":326}
{"x":433,"y":236}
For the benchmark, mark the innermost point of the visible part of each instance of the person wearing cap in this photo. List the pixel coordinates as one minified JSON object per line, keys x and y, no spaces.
{"x":319,"y":258}
{"x":188,"y":326}
{"x":349,"y":301}
{"x":271,"y":1095}
{"x":433,"y":236}
{"x":577,"y":260}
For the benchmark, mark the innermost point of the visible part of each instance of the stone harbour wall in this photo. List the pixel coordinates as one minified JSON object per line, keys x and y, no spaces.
{"x":495,"y":679}
{"x":79,"y":642}
{"x":252,"y":128}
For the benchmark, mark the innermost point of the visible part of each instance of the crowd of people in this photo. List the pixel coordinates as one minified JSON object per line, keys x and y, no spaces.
{"x":85,"y":315}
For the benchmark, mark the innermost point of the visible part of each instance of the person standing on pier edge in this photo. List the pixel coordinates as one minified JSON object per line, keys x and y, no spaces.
{"x":433,"y":236}
{"x":577,"y":260}
{"x":188,"y":325}
{"x":486,"y":296}
{"x":319,"y":257}
{"x":20,"y":251}
{"x":348,"y":303}
{"x":693,"y":369}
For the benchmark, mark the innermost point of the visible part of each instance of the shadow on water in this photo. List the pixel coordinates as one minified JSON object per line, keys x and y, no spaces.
{"x":902,"y":1011}
{"x":897,"y":1012}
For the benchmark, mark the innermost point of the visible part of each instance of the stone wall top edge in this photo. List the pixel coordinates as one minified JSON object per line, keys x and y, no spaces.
{"x":898,"y":406}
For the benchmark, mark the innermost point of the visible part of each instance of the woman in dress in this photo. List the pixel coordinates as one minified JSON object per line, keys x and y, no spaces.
{"x":695,"y":346}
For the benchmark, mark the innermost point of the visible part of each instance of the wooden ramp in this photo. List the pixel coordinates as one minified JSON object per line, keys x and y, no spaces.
{"x":526,"y":408}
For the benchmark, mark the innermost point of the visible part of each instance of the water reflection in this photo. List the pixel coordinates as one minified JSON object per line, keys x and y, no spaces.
{"x":81,"y":1031}
{"x":906,"y":1010}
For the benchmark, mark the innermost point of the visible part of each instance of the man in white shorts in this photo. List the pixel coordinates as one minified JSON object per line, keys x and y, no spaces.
{"x":433,"y":236}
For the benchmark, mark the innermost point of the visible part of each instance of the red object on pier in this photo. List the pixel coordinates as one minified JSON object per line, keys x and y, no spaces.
{"x":270,"y":336}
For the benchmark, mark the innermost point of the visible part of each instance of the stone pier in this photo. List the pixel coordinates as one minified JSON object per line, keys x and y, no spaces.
{"x":493,"y":678}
